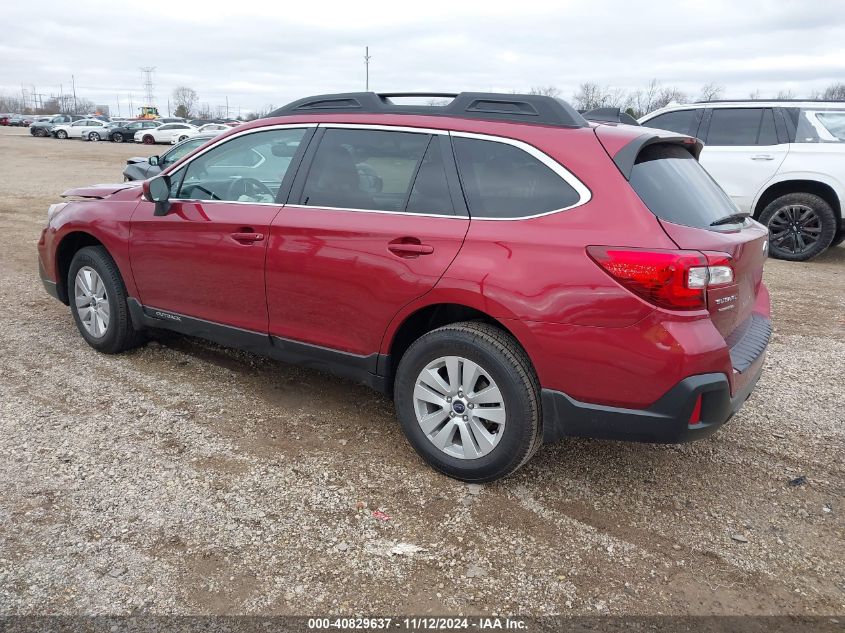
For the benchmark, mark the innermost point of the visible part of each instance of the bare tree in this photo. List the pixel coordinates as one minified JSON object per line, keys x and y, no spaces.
{"x":590,"y":96}
{"x":547,"y":91}
{"x":785,"y":94}
{"x":834,"y":92}
{"x":185,"y":99}
{"x":643,"y":99}
{"x":755,"y":95}
{"x":669,"y":95}
{"x":711,"y":91}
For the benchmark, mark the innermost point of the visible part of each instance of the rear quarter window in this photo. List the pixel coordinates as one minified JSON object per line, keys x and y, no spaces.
{"x":672,"y":184}
{"x":503,"y":181}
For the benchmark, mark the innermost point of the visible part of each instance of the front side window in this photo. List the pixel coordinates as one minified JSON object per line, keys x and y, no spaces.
{"x":247,"y":168}
{"x":364,"y":169}
{"x":503,"y":181}
{"x":739,"y":126}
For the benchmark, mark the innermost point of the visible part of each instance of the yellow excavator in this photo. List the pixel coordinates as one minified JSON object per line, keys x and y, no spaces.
{"x":148,"y":112}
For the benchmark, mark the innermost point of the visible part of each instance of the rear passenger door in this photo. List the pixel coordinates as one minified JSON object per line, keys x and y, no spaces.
{"x":742,"y":151}
{"x":373,"y":222}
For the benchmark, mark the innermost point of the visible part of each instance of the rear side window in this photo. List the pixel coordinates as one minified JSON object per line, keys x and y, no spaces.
{"x":364,"y":169}
{"x":679,"y":121}
{"x":677,"y":189}
{"x":741,"y":126}
{"x":503,"y":181}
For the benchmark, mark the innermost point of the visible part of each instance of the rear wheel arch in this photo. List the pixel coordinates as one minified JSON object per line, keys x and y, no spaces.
{"x":815,"y":187}
{"x":430,"y":317}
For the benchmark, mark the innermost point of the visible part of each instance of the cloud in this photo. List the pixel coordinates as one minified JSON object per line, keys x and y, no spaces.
{"x":260,"y":53}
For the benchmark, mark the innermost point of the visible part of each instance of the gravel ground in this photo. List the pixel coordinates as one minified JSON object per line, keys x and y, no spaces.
{"x":186,"y":478}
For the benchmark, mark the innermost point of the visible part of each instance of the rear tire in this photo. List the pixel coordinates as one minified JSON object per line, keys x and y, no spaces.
{"x":117,"y":137}
{"x":94,"y":136}
{"x":475,"y":447}
{"x":801,"y":226}
{"x":98,"y":283}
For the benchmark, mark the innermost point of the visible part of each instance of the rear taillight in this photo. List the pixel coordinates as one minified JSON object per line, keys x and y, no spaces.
{"x":677,"y":280}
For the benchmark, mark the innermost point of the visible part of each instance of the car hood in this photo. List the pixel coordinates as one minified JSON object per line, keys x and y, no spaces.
{"x":98,"y":191}
{"x":136,"y":159}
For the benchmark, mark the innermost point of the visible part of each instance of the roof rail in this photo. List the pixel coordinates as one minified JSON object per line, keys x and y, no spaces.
{"x":468,"y":105}
{"x":609,"y":115}
{"x":772,"y":101}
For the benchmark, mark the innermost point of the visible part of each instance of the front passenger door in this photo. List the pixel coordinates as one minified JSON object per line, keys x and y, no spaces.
{"x":205,"y":258}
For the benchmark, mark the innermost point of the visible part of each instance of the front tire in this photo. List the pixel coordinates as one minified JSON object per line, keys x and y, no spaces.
{"x":61,"y":134}
{"x":148,"y":140}
{"x":468,"y":400}
{"x":94,"y":136}
{"x":97,"y":298}
{"x":801,"y":226}
{"x":117,"y":137}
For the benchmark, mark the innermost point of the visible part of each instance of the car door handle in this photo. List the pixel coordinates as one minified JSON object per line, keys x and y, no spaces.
{"x":245,"y":237}
{"x":762,"y":157}
{"x":409,"y":249}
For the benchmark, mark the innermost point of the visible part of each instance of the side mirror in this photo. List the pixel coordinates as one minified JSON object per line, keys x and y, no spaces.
{"x":153,"y":160}
{"x":158,"y":190}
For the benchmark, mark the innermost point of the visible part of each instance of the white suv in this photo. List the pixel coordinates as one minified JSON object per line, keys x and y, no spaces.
{"x":783,"y":162}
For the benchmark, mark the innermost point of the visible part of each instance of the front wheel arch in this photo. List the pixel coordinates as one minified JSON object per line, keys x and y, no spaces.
{"x":66,"y":249}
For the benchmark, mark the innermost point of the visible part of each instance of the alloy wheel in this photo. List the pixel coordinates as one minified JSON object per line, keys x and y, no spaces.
{"x":794,"y":228}
{"x":92,"y":302}
{"x":94,"y":136}
{"x":459,"y":407}
{"x":117,"y":137}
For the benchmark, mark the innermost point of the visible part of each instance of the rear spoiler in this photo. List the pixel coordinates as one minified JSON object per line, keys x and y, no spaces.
{"x":623,"y":147}
{"x":609,"y":115}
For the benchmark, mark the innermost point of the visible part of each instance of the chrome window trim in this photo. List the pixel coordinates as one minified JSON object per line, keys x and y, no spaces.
{"x":385,"y":128}
{"x":403,"y":213}
{"x":581,"y":189}
{"x":584,"y":193}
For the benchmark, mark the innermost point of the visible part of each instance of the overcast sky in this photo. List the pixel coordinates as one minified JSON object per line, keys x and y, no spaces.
{"x":259,"y":53}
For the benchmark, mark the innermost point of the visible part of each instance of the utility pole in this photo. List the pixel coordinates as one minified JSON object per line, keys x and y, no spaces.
{"x":73,"y":82}
{"x":227,"y":106}
{"x":367,"y":66}
{"x":118,"y":105}
{"x":131,"y":109}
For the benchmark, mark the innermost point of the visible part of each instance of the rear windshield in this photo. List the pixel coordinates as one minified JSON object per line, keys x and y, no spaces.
{"x":677,"y":189}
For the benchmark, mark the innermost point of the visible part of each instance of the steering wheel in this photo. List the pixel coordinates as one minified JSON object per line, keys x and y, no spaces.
{"x":249,"y":187}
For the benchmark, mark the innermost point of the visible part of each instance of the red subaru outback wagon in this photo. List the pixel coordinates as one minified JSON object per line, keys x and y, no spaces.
{"x":508,"y":271}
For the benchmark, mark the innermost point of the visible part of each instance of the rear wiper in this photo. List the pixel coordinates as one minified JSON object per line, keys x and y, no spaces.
{"x":733,"y":218}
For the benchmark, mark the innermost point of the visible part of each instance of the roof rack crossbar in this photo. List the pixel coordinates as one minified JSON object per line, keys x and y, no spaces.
{"x":472,"y":105}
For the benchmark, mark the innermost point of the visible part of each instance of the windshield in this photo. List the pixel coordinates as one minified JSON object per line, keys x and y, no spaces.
{"x":821,"y":126}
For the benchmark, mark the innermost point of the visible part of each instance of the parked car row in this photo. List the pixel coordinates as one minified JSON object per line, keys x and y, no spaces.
{"x":149,"y":131}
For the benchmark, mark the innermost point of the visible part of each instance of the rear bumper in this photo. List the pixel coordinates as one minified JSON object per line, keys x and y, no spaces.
{"x":666,"y":421}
